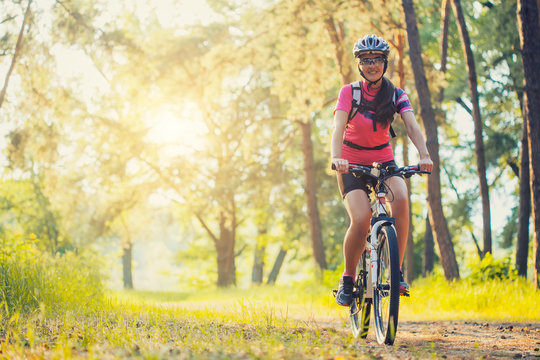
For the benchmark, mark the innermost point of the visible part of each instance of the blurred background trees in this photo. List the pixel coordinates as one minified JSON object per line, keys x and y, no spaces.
{"x":131,"y":124}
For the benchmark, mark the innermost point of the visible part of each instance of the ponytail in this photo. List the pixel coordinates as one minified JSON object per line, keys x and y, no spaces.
{"x":385,"y":107}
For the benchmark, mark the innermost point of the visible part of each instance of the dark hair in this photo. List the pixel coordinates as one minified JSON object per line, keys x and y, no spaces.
{"x":384,"y":104}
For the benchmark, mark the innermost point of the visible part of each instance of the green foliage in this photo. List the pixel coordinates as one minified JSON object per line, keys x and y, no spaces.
{"x":510,"y":230}
{"x":492,"y":269}
{"x":512,"y":299}
{"x":33,"y":280}
{"x":25,"y":207}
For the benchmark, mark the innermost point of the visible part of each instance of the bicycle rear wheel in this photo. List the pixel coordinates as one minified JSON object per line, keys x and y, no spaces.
{"x":360,"y":309}
{"x":386,"y":290}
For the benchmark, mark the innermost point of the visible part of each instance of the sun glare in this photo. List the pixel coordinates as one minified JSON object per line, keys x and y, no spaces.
{"x":179,"y":134}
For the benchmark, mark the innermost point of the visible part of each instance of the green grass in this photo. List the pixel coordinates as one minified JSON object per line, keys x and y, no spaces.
{"x":31,"y":279}
{"x":494,"y":300}
{"x":55,"y":308}
{"x":432,"y":298}
{"x":257,"y":323}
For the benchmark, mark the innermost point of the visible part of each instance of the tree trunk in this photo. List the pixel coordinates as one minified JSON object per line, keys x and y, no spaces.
{"x":16,"y":53}
{"x":522,"y":245}
{"x":429,"y":250}
{"x":258,"y":260}
{"x":127,"y":265}
{"x":445,"y":21}
{"x":277,"y":266}
{"x":224,"y":243}
{"x":311,"y":195}
{"x":477,"y":119}
{"x":409,"y":250}
{"x":225,"y":255}
{"x":436,"y":214}
{"x":337,"y":37}
{"x":530,"y":52}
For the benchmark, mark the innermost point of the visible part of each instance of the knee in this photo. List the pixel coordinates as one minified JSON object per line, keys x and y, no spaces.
{"x":400,"y":205}
{"x":359,"y":221}
{"x":400,"y":200}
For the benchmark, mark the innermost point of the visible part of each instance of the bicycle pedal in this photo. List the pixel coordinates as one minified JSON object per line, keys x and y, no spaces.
{"x":334,"y":292}
{"x":405,"y":294}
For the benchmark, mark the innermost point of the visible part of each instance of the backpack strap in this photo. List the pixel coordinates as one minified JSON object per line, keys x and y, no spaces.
{"x":356,"y":88}
{"x":394,"y":99}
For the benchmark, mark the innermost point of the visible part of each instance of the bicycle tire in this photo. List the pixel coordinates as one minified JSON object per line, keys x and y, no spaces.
{"x":360,"y":309}
{"x":386,"y":289}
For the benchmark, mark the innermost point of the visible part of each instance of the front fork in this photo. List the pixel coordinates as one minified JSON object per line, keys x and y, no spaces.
{"x":372,"y":250}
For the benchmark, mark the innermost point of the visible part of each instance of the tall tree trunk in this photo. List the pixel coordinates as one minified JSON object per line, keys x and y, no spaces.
{"x":530,"y":52}
{"x":311,"y":195}
{"x":429,"y":250}
{"x":337,"y":37}
{"x":445,"y":21}
{"x":258,"y":259}
{"x":409,"y":249}
{"x":127,"y":267}
{"x":16,"y":53}
{"x":522,"y":245}
{"x":436,"y":214}
{"x":477,"y":119}
{"x":428,"y":259}
{"x":277,"y":266}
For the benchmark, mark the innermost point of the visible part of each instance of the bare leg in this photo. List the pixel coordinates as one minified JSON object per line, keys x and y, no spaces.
{"x":400,"y":211}
{"x":357,"y":205}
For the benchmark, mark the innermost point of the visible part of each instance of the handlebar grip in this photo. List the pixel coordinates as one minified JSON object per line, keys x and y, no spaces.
{"x":417,"y":168}
{"x":333,"y":166}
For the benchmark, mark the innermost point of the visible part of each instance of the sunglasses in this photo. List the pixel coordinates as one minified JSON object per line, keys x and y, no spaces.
{"x":372,"y":61}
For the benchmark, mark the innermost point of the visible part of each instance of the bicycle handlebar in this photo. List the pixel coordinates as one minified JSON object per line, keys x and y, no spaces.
{"x":406,"y":171}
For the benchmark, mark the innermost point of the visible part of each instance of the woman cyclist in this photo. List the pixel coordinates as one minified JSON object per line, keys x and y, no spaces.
{"x":364,"y":139}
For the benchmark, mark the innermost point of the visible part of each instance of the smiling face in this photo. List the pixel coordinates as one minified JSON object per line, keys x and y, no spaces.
{"x":372,"y":65}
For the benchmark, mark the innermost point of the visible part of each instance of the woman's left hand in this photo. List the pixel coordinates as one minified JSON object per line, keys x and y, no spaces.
{"x":426,"y":164}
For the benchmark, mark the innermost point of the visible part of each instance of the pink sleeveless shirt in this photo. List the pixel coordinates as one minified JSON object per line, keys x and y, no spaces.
{"x":360,"y":131}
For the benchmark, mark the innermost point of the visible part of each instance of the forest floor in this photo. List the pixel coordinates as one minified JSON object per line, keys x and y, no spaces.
{"x":456,"y":340}
{"x":234,"y":325}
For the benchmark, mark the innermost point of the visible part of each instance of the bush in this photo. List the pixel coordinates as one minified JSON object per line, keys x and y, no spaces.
{"x":491,"y":269}
{"x":31,"y":279}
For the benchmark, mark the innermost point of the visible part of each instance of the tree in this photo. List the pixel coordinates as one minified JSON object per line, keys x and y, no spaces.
{"x":530,"y":51}
{"x":522,"y":245}
{"x":478,"y":133}
{"x":437,"y":218}
{"x":16,"y":52}
{"x":305,"y":93}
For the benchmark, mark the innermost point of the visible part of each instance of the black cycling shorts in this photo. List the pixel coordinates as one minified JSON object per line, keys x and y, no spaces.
{"x":349,"y":182}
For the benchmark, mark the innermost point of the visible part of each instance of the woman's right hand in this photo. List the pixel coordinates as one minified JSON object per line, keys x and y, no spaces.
{"x":342,"y":165}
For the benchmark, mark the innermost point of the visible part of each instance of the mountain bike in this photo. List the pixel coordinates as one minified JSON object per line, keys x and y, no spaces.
{"x":377,"y":283}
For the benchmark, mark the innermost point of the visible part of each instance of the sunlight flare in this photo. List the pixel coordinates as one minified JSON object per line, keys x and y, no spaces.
{"x":181,"y":134}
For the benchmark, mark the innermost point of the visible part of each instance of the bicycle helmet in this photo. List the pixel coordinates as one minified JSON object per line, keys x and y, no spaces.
{"x":370,"y":44}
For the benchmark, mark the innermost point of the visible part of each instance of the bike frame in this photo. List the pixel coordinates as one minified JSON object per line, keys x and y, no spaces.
{"x":379,"y":218}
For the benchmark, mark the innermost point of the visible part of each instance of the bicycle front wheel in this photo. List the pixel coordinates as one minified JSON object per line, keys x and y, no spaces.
{"x":386,"y":289}
{"x":360,"y":309}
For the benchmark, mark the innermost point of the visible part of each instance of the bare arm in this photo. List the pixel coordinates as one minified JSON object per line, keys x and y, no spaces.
{"x":415,"y":134}
{"x":340,"y":122}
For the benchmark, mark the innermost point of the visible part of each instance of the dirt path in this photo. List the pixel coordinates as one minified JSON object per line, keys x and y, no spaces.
{"x":460,"y":340}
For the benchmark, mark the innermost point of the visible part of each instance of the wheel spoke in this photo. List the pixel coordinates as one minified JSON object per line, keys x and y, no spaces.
{"x":386,"y":294}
